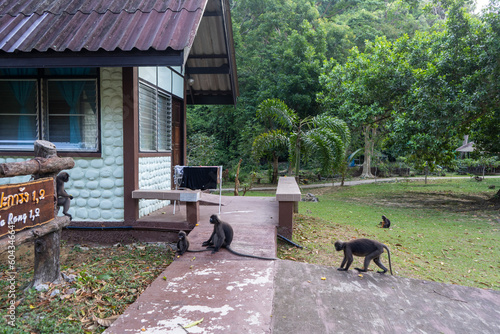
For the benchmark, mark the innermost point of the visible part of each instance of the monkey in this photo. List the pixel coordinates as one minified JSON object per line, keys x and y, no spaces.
{"x":63,"y":198}
{"x":183,"y":244}
{"x":385,"y":223}
{"x":222,"y":236}
{"x":368,"y":248}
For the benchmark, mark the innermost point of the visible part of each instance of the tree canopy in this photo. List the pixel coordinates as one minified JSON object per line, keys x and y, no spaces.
{"x":408,"y":77}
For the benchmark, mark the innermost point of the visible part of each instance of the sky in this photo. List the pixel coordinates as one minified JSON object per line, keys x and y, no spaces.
{"x":481,"y":4}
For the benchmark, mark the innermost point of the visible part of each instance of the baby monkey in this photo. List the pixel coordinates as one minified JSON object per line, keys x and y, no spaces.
{"x":183,"y":244}
{"x":368,"y":248}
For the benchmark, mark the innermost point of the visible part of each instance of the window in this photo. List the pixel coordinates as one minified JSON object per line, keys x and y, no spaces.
{"x":56,"y":104}
{"x":155,"y":119}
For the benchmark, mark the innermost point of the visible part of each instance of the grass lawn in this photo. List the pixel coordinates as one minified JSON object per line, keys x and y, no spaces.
{"x":445,"y":231}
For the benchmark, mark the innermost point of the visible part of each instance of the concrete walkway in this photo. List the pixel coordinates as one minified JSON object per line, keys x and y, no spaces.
{"x":242,"y":295}
{"x":232,"y":294}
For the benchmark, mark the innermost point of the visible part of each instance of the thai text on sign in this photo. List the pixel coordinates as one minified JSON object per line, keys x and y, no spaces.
{"x":25,"y":205}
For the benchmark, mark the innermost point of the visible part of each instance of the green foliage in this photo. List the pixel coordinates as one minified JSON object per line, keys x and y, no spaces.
{"x":201,"y":150}
{"x":421,"y":74}
{"x":426,"y":91}
{"x":323,"y":137}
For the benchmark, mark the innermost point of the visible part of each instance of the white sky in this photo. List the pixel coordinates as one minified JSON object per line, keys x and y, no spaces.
{"x":481,"y":4}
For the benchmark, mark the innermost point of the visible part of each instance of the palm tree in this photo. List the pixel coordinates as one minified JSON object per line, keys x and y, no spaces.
{"x":278,"y":119}
{"x":322,"y":137}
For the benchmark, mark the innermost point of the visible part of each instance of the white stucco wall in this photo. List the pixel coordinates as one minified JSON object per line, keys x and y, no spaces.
{"x":154,"y":173}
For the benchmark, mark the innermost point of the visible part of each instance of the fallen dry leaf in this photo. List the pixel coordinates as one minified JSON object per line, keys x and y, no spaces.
{"x":194,"y":323}
{"x":107,"y":321}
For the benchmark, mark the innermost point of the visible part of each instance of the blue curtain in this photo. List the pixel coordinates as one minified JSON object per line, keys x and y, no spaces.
{"x":71,"y":91}
{"x":22,"y":91}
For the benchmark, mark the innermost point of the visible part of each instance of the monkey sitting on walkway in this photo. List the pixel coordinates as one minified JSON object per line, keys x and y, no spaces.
{"x":368,"y":248}
{"x":222,"y":236}
{"x":183,"y":244}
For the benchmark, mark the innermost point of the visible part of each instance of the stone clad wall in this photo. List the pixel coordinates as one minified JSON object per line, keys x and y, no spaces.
{"x":97,"y":183}
{"x":154,"y":173}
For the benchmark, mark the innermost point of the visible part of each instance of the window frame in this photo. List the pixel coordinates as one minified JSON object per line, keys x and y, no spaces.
{"x":42,"y":79}
{"x":157,"y":91}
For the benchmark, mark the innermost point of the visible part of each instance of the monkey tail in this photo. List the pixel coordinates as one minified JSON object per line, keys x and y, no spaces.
{"x":248,"y":255}
{"x":197,"y":251}
{"x":389,"y":255}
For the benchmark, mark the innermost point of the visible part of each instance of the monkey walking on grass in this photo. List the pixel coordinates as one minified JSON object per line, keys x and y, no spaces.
{"x":370,"y":249}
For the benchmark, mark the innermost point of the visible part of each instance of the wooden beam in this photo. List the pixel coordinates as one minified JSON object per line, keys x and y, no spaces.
{"x":36,"y":166}
{"x":130,"y":83}
{"x":223,"y":69}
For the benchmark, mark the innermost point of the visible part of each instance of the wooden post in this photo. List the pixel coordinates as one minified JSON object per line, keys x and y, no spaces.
{"x":47,"y":246}
{"x":47,"y":250}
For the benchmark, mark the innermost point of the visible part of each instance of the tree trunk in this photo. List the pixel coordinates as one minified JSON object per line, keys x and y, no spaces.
{"x":275,"y":169}
{"x":496,"y":197}
{"x":45,"y":149}
{"x":367,"y":173}
{"x":47,"y":268}
{"x":236,"y":180}
{"x":47,"y":246}
{"x":39,"y":166}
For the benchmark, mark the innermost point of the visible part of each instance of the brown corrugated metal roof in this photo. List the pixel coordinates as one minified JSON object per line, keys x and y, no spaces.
{"x":42,"y":25}
{"x":196,"y":34}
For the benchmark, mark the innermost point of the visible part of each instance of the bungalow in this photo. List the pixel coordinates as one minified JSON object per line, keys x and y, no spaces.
{"x":108,"y":83}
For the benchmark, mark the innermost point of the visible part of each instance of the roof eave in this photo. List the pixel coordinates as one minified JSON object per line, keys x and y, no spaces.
{"x":99,"y":58}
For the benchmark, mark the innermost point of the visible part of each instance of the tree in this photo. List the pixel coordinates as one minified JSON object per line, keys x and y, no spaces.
{"x":322,"y":137}
{"x":200,"y":149}
{"x":277,"y":119}
{"x":455,"y":89}
{"x":366,"y":90}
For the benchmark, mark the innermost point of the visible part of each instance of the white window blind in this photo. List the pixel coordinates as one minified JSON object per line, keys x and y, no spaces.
{"x":155,"y":120}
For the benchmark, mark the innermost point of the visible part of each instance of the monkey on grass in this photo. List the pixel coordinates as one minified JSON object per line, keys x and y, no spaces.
{"x":222,"y":236}
{"x":183,"y":244}
{"x":370,"y":249}
{"x":385,"y":223}
{"x":63,"y":198}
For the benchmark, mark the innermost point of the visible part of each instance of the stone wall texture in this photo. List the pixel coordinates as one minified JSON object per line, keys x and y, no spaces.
{"x":97,"y":183}
{"x":154,"y":173}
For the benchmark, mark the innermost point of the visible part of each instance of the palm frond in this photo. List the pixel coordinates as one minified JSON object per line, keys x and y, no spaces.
{"x":277,"y":111}
{"x":268,"y":142}
{"x":337,"y":125}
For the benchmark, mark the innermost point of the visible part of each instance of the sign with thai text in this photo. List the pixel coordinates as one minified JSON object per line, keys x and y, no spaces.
{"x":25,"y":205}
